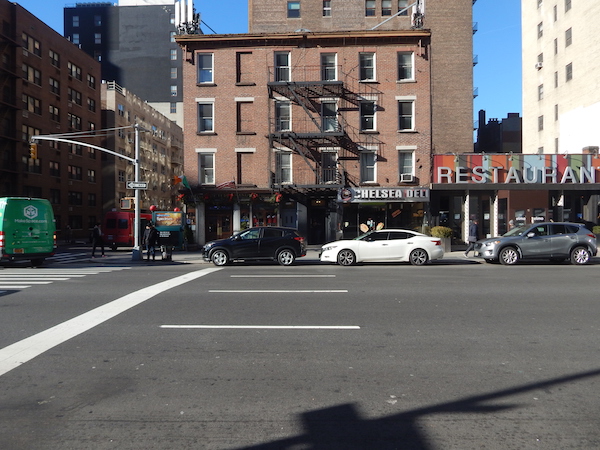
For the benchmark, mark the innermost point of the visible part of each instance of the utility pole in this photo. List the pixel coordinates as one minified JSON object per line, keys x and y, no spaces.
{"x":136,"y":254}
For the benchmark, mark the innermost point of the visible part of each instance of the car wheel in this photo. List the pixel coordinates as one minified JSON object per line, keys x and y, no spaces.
{"x":219,"y":257}
{"x":418,"y":257}
{"x":346,"y":258}
{"x":580,"y":256}
{"x":509,"y":256}
{"x":286,"y":257}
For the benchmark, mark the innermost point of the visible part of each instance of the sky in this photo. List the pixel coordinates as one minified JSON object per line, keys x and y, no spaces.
{"x":497,"y":44}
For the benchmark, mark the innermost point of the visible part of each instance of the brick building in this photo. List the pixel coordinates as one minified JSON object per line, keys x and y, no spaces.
{"x":315,"y":121}
{"x":160,"y":144}
{"x":48,"y":86}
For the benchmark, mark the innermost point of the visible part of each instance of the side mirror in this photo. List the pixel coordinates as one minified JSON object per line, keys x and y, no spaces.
{"x":531,"y":234}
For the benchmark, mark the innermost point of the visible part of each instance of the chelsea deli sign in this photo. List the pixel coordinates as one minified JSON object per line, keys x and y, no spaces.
{"x":365,"y":195}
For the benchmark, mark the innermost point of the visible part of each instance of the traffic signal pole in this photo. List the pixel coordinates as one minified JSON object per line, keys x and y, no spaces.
{"x":136,"y":254}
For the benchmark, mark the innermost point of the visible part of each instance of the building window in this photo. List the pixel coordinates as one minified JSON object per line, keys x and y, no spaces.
{"x":54,"y":86}
{"x":402,"y":5}
{"x":206,"y":168}
{"x":172,"y":35}
{"x":540,"y":29}
{"x":32,"y":104}
{"x":568,"y":37}
{"x":367,"y":66}
{"x":32,"y":165}
{"x":173,"y":90}
{"x":75,"y":21}
{"x":539,"y":3}
{"x":54,"y":168}
{"x":293,"y":10}
{"x":555,"y":112}
{"x":329,"y":119}
{"x":405,"y":66}
{"x":327,"y":8}
{"x":569,"y":71}
{"x":540,"y":92}
{"x":368,"y":166}
{"x":329,"y":166}
{"x":405,"y":115}
{"x":367,"y":116}
{"x":74,"y":70}
{"x":244,"y":117}
{"x":244,"y":73}
{"x":121,"y":176}
{"x":173,"y":73}
{"x":97,"y":20}
{"x":75,"y":198}
{"x":386,"y":7}
{"x":31,"y":74}
{"x":555,"y":10}
{"x":54,"y":58}
{"x":328,"y":67}
{"x":173,"y":54}
{"x":284,"y":167}
{"x":91,"y":173}
{"x":283,"y":115}
{"x":369,"y":8}
{"x":54,"y":113}
{"x":91,"y":81}
{"x":55,"y":196}
{"x":555,"y":46}
{"x":173,"y":108}
{"x":74,"y":96}
{"x":205,"y":68}
{"x":74,"y":172}
{"x":205,"y":117}
{"x":91,"y":104}
{"x":555,"y":79}
{"x":75,"y":38}
{"x":406,"y":165}
{"x":540,"y":123}
{"x":567,"y":5}
{"x":97,"y":38}
{"x":282,"y":66}
{"x":540,"y":58}
{"x":31,"y":45}
{"x":91,"y":199}
{"x":74,"y":121}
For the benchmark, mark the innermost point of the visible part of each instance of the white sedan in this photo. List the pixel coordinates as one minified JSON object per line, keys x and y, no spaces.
{"x":384,"y":246}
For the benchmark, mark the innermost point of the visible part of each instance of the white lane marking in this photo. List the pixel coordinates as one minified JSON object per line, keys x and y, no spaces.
{"x":14,"y":287}
{"x":279,"y":291}
{"x":42,"y":276}
{"x":20,"y":352}
{"x":10,"y":282}
{"x":266,"y":327}
{"x":282,"y":276}
{"x":25,"y":278}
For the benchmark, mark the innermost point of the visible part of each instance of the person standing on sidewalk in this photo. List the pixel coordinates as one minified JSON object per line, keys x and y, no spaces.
{"x":473,"y":233}
{"x":97,"y":240}
{"x":150,"y":241}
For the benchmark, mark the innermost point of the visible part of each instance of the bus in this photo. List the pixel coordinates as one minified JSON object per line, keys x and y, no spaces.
{"x":118,"y":228}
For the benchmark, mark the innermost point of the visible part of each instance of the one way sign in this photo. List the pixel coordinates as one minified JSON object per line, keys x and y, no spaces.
{"x":137,"y":185}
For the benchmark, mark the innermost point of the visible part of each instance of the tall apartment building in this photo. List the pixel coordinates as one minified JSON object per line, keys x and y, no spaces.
{"x":561,"y":74}
{"x":134,"y":42}
{"x":161,"y":151}
{"x":317,"y":121}
{"x":48,"y":86}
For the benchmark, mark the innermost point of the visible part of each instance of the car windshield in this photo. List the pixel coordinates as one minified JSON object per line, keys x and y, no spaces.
{"x":518,"y":231}
{"x":363,"y":236}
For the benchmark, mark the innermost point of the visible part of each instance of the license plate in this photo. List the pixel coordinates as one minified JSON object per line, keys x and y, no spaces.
{"x":19,"y":250}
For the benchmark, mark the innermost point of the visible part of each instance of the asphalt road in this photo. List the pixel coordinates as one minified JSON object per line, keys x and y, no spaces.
{"x":448,"y":356}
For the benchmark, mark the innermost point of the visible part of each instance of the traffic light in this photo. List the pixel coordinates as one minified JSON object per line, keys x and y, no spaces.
{"x":33,"y":151}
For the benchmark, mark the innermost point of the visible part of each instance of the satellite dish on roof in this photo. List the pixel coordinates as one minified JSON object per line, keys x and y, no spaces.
{"x":302,"y":30}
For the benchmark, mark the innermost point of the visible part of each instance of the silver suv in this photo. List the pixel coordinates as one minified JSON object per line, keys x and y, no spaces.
{"x":555,"y":241}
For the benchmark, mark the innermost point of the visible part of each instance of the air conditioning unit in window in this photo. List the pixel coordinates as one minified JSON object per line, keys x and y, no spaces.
{"x":406,"y":178}
{"x":539,"y":65}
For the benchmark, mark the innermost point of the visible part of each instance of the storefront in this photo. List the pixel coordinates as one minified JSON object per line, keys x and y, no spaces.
{"x":502,"y":190}
{"x":367,"y":208}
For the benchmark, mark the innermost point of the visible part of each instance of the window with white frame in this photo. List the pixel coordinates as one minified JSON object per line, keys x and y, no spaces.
{"x":406,"y":115}
{"x":406,"y":164}
{"x":204,"y":62}
{"x":206,"y":168}
{"x":405,"y":66}
{"x":329,"y":119}
{"x":328,"y":67}
{"x":282,"y":66}
{"x":205,"y":117}
{"x":283,"y":115}
{"x":368,"y":166}
{"x":283,"y":161}
{"x":367,"y":66}
{"x":367,"y":115}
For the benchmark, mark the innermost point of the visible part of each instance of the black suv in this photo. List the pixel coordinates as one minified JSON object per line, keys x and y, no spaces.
{"x":283,"y":245}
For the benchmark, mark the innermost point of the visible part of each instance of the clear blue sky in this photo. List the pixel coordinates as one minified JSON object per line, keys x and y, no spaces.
{"x":497,"y":43}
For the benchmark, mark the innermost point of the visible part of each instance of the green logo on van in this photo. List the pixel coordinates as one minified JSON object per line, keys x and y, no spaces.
{"x":31,"y":212}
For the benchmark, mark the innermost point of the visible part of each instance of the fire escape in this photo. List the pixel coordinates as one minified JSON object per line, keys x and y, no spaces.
{"x":319,"y":131}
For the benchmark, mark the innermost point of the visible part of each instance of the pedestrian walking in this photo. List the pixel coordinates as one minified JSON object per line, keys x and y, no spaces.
{"x":151,"y":239}
{"x":473,"y":236}
{"x":97,"y":240}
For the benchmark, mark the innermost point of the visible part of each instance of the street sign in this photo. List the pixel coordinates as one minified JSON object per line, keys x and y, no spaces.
{"x":137,"y":185}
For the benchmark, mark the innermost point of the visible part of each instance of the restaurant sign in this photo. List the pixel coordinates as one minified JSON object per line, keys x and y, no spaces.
{"x":515,"y":169}
{"x":373,"y":195}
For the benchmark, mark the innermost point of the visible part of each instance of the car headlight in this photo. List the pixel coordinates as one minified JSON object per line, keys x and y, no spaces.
{"x":489,"y":244}
{"x":328,"y":247}
{"x":208,"y":245}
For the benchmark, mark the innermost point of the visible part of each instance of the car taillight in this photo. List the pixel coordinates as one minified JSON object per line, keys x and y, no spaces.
{"x":437,"y":242}
{"x":299,"y":238}
{"x":591,"y":235}
{"x":1,"y":239}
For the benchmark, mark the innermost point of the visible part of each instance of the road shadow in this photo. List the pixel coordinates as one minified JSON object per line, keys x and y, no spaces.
{"x":341,"y":427}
